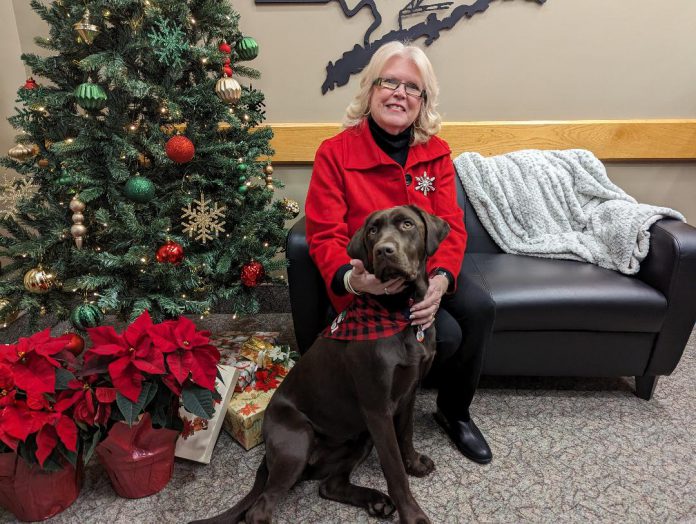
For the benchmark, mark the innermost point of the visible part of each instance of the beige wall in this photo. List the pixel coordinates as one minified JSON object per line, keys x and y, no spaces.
{"x":12,"y":72}
{"x":588,"y":59}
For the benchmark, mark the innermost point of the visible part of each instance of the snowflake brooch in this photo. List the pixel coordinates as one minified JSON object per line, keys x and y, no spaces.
{"x":202,"y":220}
{"x":425,"y":183}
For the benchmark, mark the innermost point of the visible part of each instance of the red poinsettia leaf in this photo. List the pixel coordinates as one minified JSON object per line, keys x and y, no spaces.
{"x":38,"y":338}
{"x":35,"y":375}
{"x":37,"y":402}
{"x":6,"y":377}
{"x":67,"y":431}
{"x":75,"y":384}
{"x":171,"y":382}
{"x":187,"y":335}
{"x":126,"y":378}
{"x":107,"y":349}
{"x":147,"y":367}
{"x":178,"y":368}
{"x":67,"y":399}
{"x":104,"y":336}
{"x":17,"y":421}
{"x":9,"y":440}
{"x":51,"y":347}
{"x":162,"y":337}
{"x":106,"y":395}
{"x":46,"y":442}
{"x":137,"y":330}
{"x":203,"y":365}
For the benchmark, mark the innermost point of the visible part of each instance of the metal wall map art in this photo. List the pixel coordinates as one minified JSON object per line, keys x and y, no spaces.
{"x":442,"y":15}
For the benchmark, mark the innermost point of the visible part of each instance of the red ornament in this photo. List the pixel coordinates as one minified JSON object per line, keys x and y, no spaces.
{"x":180,"y":149}
{"x":224,"y":47}
{"x":227,"y":62}
{"x":76,"y":344}
{"x":171,"y":252}
{"x":30,"y":84}
{"x":252,"y":274}
{"x":227,"y":70}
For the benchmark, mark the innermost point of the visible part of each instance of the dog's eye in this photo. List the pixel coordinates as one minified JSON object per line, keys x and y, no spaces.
{"x":372,"y":230}
{"x":407,"y":224}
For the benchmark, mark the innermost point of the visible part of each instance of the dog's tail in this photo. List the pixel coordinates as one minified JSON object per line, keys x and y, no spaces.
{"x":236,"y":514}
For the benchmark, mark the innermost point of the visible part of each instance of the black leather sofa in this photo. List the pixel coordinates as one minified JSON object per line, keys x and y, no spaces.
{"x":555,"y":317}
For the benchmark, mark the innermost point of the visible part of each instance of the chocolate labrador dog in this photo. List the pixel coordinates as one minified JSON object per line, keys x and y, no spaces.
{"x":353,"y":390}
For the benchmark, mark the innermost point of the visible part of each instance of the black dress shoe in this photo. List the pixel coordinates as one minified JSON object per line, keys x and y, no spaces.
{"x":467,"y":437}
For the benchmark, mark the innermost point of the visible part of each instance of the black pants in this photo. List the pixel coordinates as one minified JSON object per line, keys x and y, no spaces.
{"x":464,"y":324}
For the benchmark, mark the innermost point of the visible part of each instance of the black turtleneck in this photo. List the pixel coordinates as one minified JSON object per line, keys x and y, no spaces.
{"x":395,"y":146}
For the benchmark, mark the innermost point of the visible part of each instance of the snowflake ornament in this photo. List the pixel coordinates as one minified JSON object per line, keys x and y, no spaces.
{"x":425,"y":183}
{"x":202,"y":220}
{"x":11,"y":194}
{"x":168,"y":44}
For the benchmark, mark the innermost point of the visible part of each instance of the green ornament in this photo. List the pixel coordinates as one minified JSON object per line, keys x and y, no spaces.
{"x":247,"y":48}
{"x":243,"y":188}
{"x":242,"y":167}
{"x":90,"y":96}
{"x":139,"y":189}
{"x":86,"y":315}
{"x":242,"y":178}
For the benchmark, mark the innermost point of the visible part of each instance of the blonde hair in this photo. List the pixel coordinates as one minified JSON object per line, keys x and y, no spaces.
{"x":428,"y":121}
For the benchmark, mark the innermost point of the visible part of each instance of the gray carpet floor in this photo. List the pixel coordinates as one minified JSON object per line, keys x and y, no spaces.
{"x":565,"y":450}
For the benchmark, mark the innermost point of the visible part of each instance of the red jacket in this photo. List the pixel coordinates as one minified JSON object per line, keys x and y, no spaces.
{"x":353,"y":177}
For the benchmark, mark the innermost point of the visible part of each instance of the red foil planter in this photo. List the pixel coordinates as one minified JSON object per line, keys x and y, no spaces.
{"x":138,"y":459}
{"x":33,"y":494}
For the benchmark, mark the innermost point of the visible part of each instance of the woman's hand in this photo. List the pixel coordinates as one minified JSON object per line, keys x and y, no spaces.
{"x":364,"y":282}
{"x":423,"y":313}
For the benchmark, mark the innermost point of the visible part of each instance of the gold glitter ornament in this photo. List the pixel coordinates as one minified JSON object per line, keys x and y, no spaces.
{"x":224,"y":127}
{"x":228,"y":90}
{"x":78,"y":229}
{"x":39,"y":281}
{"x":268,"y":169}
{"x":22,"y":152}
{"x":290,"y":207}
{"x":86,"y":30}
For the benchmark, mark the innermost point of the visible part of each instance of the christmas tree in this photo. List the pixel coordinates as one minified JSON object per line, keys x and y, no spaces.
{"x":146,"y":181}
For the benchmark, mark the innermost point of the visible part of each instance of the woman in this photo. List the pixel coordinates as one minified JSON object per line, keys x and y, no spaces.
{"x":387,"y":156}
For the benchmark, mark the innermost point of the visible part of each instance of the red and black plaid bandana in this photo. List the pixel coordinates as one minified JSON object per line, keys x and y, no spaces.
{"x":367,"y":319}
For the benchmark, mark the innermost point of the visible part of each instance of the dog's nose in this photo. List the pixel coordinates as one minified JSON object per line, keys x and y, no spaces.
{"x":385,"y":249}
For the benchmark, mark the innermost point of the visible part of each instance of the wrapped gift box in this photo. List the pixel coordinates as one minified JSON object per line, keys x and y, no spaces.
{"x":199,"y":435}
{"x":244,"y":418}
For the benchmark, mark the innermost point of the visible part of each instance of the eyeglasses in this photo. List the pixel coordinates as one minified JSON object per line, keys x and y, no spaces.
{"x":393,"y":84}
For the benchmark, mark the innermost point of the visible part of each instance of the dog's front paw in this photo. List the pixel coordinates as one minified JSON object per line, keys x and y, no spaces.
{"x":380,"y":505}
{"x":419,"y":466}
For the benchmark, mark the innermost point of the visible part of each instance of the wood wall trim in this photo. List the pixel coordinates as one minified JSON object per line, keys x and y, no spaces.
{"x":625,"y":140}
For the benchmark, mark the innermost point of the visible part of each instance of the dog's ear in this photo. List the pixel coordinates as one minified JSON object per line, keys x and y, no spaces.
{"x":436,"y":230}
{"x":357,"y":247}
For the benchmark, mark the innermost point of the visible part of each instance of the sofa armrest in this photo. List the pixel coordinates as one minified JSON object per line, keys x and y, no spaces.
{"x":670,"y":267}
{"x":308,"y":298}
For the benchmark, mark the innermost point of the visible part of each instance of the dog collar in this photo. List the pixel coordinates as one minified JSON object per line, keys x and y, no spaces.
{"x":367,"y":319}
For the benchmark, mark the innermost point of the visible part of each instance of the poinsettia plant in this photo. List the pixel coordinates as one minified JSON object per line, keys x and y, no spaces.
{"x":155,"y":367}
{"x":47,"y":415}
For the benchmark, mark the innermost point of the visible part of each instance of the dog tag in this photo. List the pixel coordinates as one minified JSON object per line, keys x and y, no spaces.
{"x":337,"y":321}
{"x":420,"y":334}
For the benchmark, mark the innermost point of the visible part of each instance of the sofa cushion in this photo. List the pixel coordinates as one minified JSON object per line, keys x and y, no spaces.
{"x":543,"y":294}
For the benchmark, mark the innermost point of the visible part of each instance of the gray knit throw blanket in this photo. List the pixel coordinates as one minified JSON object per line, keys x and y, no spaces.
{"x":559,"y":204}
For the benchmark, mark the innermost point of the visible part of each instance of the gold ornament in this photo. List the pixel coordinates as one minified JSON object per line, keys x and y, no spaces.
{"x":291,"y":207}
{"x":246,"y":118}
{"x":144,"y":160}
{"x":228,"y":90}
{"x":268,"y":169}
{"x":203,"y":220}
{"x":22,"y":152}
{"x":86,"y":29}
{"x":44,"y":163}
{"x":170,"y":129}
{"x":224,"y":127}
{"x":9,"y":316}
{"x":78,"y":229}
{"x":39,"y":281}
